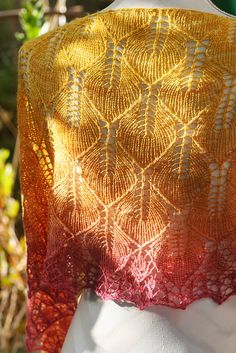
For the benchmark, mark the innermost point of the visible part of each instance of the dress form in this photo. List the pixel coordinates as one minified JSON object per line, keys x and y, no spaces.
{"x":202,"y":5}
{"x":107,"y":327}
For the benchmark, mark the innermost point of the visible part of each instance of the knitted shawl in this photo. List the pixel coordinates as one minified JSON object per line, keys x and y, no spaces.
{"x":127,"y":126}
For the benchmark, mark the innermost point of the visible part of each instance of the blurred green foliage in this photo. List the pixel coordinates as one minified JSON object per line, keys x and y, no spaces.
{"x":31,"y":19}
{"x":13,"y":247}
{"x":12,"y":264}
{"x":6,"y":184}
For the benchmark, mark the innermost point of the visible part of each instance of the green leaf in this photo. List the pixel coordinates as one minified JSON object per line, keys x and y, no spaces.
{"x":12,"y":207}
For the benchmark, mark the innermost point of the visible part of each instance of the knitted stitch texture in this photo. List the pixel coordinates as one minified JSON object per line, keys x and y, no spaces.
{"x":127,"y":125}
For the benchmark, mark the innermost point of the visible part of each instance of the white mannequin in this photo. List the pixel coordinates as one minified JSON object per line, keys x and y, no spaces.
{"x":106,"y":327}
{"x":200,"y":5}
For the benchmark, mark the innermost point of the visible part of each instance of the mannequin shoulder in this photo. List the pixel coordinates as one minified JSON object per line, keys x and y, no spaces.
{"x":43,"y":61}
{"x":49,"y":43}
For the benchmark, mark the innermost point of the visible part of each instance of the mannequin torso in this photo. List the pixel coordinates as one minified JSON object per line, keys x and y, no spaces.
{"x":106,"y":327}
{"x":201,"y":5}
